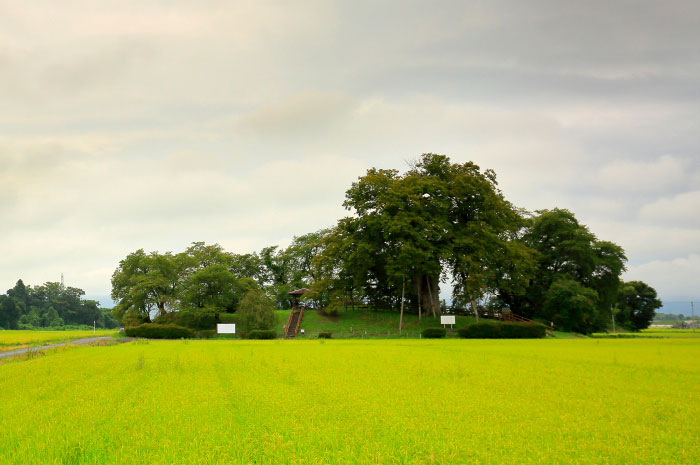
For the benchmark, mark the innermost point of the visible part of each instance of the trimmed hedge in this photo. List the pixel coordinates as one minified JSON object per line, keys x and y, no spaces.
{"x":189,"y":319}
{"x":325,"y":335}
{"x":156,"y":331}
{"x":262,"y":334}
{"x":505,"y":330}
{"x":205,"y":334}
{"x":434,"y":333}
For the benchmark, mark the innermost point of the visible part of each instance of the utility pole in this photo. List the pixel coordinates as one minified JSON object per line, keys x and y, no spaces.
{"x":692,"y":313}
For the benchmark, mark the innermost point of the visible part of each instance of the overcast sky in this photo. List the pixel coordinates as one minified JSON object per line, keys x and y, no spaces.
{"x":153,"y":124}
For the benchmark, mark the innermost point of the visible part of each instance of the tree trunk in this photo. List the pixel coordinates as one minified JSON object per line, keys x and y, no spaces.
{"x":403,"y":292}
{"x":428,"y":292}
{"x":474,"y":309}
{"x":432,"y":299}
{"x":419,"y":299}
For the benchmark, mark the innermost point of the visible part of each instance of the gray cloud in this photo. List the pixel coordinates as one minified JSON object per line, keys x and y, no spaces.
{"x":152,"y":124}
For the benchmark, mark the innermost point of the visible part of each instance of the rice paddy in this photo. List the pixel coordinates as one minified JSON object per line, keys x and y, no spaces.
{"x":582,"y":401}
{"x":12,"y":339}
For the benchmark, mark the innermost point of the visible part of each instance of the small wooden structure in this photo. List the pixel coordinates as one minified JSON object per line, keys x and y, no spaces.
{"x":296,"y":314}
{"x":295,"y":295}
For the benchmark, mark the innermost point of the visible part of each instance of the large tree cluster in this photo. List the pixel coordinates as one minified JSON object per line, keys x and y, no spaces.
{"x":444,"y":222}
{"x":207,"y":279}
{"x":438,"y":222}
{"x":50,"y":305}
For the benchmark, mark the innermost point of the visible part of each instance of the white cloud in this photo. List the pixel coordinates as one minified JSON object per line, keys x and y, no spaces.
{"x":667,"y":172}
{"x":679,"y":277}
{"x":141,"y":124}
{"x":681,"y":210}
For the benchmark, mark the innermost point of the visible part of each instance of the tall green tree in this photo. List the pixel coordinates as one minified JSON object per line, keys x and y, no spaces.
{"x":144,"y":284}
{"x":571,"y":306}
{"x":567,"y":250}
{"x":9,"y":313}
{"x":637,"y":303}
{"x":437,"y":219}
{"x":256,"y":312}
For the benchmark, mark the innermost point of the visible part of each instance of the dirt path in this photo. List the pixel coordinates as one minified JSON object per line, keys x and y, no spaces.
{"x":77,"y":342}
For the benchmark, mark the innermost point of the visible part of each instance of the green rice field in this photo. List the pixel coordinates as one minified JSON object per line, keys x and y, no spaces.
{"x":552,"y":401}
{"x":13,"y":339}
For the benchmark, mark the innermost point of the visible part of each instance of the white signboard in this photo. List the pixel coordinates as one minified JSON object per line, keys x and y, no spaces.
{"x":226,"y":328}
{"x":447,"y":319}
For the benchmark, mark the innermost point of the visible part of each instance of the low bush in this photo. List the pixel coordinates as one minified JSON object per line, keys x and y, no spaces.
{"x":189,"y":319}
{"x":205,"y":334}
{"x":434,"y":333}
{"x":262,"y":334}
{"x":506,"y":330}
{"x":482,"y":330}
{"x":156,"y":331}
{"x":198,"y":320}
{"x":325,"y":335}
{"x":228,"y":318}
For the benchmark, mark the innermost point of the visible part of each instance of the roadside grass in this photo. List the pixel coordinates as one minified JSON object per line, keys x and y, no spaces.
{"x":17,"y":339}
{"x":572,"y":401}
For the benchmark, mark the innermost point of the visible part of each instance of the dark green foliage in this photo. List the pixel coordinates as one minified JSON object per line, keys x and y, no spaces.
{"x":192,"y":319}
{"x":155,"y":331}
{"x":409,"y":228}
{"x":571,"y":306}
{"x":325,"y":335}
{"x":434,"y":333}
{"x":482,"y":330}
{"x":205,"y":334}
{"x":9,"y":313}
{"x":228,"y":318}
{"x":637,"y":303}
{"x":50,"y":305}
{"x":262,"y":334}
{"x":514,"y":330}
{"x":256,"y":312}
{"x":567,"y":251}
{"x":505,"y":330}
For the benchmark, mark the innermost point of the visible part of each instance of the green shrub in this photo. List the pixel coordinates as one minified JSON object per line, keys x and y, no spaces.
{"x":192,"y":319}
{"x":505,"y":330}
{"x":513,"y":330}
{"x":228,"y":318}
{"x":482,"y":330}
{"x":156,"y":331}
{"x":198,"y":320}
{"x":170,"y":318}
{"x":262,"y":334}
{"x":325,"y":335}
{"x":205,"y":334}
{"x":255,"y":311}
{"x":434,"y":333}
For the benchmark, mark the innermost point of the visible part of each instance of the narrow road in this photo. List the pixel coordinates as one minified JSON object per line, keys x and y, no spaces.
{"x":77,"y":342}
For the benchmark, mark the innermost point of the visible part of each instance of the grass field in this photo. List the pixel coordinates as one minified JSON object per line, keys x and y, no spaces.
{"x":583,"y":401}
{"x":359,"y":325}
{"x":653,"y":333}
{"x":13,"y":339}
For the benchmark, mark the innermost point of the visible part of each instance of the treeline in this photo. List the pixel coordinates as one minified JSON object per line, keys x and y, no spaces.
{"x":50,"y":305}
{"x":206,"y":279}
{"x":439,"y":223}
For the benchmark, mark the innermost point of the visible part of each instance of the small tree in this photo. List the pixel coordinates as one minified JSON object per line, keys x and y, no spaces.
{"x":638,"y":303}
{"x":571,"y":306}
{"x":255,"y":312}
